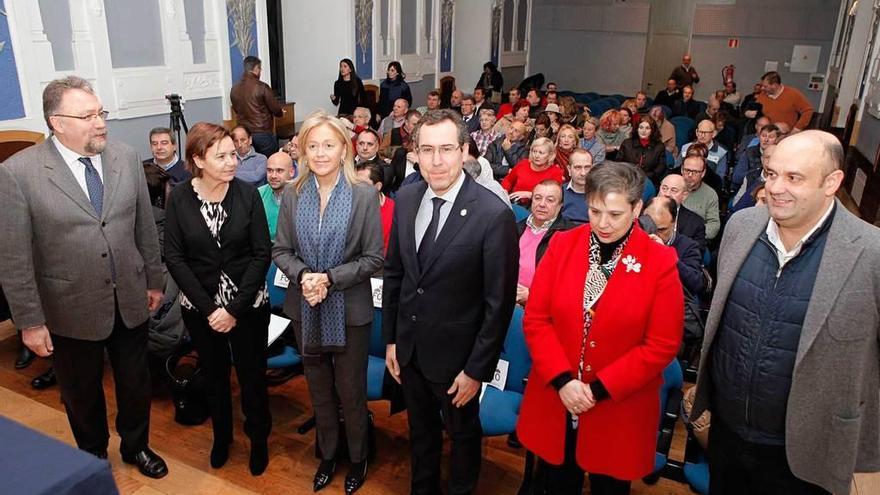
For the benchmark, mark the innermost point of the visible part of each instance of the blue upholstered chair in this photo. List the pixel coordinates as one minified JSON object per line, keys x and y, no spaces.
{"x":499,"y":409}
{"x":684,"y":129}
{"x":284,"y":366}
{"x":670,"y":406}
{"x":519,"y":212}
{"x":376,"y":359}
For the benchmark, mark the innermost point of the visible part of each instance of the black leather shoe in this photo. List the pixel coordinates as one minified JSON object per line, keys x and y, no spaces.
{"x":219,"y":454}
{"x":324,"y":474}
{"x":45,"y":380}
{"x":356,"y":476}
{"x":148,"y":462}
{"x":25,"y":358}
{"x":259,"y":458}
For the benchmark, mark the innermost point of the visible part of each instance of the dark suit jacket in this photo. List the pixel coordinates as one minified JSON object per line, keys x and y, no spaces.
{"x":362,"y":258}
{"x":195,"y":261}
{"x":454,"y":312}
{"x":56,"y":252}
{"x":473,"y":124}
{"x":691,"y":225}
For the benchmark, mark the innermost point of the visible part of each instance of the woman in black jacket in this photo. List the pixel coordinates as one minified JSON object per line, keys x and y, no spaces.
{"x":348,"y":90}
{"x":646,"y":151}
{"x":392,"y":88}
{"x":491,"y":80}
{"x":217,"y":249}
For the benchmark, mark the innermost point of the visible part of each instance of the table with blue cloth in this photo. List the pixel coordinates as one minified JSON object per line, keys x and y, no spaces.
{"x":32,"y":463}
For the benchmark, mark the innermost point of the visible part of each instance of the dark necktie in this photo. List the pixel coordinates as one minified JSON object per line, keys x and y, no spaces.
{"x":430,"y":237}
{"x":94,"y":185}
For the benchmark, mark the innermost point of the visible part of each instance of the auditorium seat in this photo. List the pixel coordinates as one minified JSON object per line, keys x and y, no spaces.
{"x":670,"y":406}
{"x":11,"y":142}
{"x":499,"y":409}
{"x":684,"y":130}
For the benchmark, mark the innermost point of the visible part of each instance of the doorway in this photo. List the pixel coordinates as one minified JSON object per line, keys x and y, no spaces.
{"x":670,"y":25}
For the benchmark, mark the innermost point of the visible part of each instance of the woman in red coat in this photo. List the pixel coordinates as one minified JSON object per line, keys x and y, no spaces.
{"x":604,"y":318}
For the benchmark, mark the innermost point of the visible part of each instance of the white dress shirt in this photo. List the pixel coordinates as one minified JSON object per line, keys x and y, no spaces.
{"x":71,"y":158}
{"x":426,"y":208}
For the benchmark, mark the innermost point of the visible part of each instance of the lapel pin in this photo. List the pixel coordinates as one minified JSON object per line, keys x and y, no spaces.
{"x":464,"y":211}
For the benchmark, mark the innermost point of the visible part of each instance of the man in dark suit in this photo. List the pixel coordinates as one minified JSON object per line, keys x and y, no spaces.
{"x":469,"y":114}
{"x":80,"y":265}
{"x":449,"y":291}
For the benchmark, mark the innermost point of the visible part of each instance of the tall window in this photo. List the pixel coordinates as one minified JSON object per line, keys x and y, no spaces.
{"x":135,"y":33}
{"x":409,"y":26}
{"x":194,"y":10}
{"x":56,"y":25}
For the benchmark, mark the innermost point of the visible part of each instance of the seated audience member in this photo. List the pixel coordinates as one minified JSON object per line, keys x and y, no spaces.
{"x":667,"y":130}
{"x":701,"y":199}
{"x":749,"y":140}
{"x":609,"y":132}
{"x":725,"y":133}
{"x":590,"y":140}
{"x":361,"y":120}
{"x":574,"y":200}
{"x":506,"y":151}
{"x":550,"y":97}
{"x":535,"y":232}
{"x":750,"y":108}
{"x":292,"y":150}
{"x":668,"y":96}
{"x":469,"y":114}
{"x":627,"y":119}
{"x":712,"y":108}
{"x":480,"y":101}
{"x":723,"y":106}
{"x":754,"y":179}
{"x":529,"y":172}
{"x":784,"y":103}
{"x":663,"y":211}
{"x":686,"y":106}
{"x":534,"y":98}
{"x":552,"y":86}
{"x":396,"y":118}
{"x":716,"y":154}
{"x":432,"y":102}
{"x":508,"y":108}
{"x":485,"y":166}
{"x":251,"y":165}
{"x":750,"y":159}
{"x":645,"y":150}
{"x":566,"y":142}
{"x":586,"y":395}
{"x":553,"y":113}
{"x":279,"y":172}
{"x":568,"y":107}
{"x":372,"y":172}
{"x":163,"y":146}
{"x":367,"y":146}
{"x":641,"y":103}
{"x":687,"y":222}
{"x":475,"y":169}
{"x":486,"y":134}
{"x":455,"y":100}
{"x":731,"y":95}
{"x":785,"y":130}
{"x":519,"y":114}
{"x":403,"y":165}
{"x":543,"y":128}
{"x":759,"y":195}
{"x":399,"y":136}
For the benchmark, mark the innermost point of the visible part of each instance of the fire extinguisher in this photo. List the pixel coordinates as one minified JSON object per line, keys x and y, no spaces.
{"x":727,"y":73}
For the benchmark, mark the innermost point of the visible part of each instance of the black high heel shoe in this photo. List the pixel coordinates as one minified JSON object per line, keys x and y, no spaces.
{"x":219,"y":454}
{"x":324,"y":474}
{"x":356,"y":476}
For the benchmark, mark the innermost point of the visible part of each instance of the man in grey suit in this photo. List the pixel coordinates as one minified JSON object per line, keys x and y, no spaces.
{"x":791,"y":359}
{"x":80,"y":265}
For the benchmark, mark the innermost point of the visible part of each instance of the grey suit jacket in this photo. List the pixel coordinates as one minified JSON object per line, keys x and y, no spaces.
{"x":56,"y":253}
{"x":362,"y":257}
{"x":832,"y":424}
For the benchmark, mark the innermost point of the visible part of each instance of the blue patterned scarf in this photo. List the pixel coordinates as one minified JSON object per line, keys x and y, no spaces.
{"x":322,"y":246}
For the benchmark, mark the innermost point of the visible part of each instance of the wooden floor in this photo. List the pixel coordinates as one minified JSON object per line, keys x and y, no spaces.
{"x":292,"y":461}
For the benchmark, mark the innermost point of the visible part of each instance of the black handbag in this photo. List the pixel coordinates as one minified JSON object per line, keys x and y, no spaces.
{"x":189,"y":391}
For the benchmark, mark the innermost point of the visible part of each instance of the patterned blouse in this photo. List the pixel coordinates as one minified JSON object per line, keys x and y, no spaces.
{"x":214,"y":216}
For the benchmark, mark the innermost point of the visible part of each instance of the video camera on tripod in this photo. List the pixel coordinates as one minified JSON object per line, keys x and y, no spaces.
{"x":177,"y":120}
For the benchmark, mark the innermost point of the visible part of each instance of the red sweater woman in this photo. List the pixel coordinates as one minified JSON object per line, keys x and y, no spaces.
{"x":531,"y":171}
{"x":604,"y":318}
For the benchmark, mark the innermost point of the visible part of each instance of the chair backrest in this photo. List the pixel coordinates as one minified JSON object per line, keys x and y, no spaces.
{"x":516,"y":353}
{"x":377,"y":344}
{"x":684,"y":129}
{"x":276,"y":294}
{"x":519,"y":212}
{"x":673,"y":378}
{"x":11,"y":142}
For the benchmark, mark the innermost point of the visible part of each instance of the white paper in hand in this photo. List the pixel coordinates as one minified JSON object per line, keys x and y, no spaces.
{"x":277,"y":325}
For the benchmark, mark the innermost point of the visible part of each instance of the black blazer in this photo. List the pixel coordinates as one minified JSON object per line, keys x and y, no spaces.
{"x":454,"y":312}
{"x":195,"y":261}
{"x":692,"y":225}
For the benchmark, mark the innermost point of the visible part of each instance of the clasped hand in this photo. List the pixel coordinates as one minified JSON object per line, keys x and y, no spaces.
{"x":314,"y":287}
{"x":577,"y":397}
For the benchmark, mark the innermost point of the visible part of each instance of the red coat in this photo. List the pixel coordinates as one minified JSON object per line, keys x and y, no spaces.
{"x":636,"y":333}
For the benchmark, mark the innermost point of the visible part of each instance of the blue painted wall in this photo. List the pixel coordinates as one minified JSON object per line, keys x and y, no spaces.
{"x":11,"y":106}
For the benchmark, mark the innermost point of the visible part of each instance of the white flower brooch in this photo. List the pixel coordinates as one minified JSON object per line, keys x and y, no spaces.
{"x":631,"y":264}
